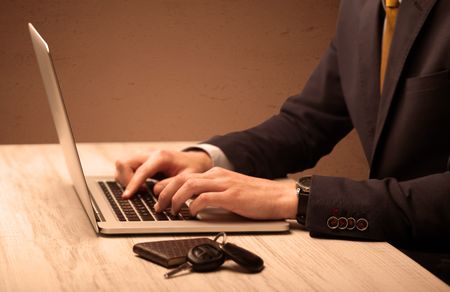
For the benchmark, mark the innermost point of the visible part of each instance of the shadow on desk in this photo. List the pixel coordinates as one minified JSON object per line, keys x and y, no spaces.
{"x":435,"y":259}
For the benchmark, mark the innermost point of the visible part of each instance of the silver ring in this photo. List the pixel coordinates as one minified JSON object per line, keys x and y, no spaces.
{"x":224,"y":238}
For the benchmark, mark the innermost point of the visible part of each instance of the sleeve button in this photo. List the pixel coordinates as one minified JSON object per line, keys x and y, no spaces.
{"x":362,"y":224}
{"x":332,"y":222}
{"x":351,"y":223}
{"x":342,"y":222}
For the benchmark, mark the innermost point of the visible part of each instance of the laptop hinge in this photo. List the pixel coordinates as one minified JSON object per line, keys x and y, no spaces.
{"x":98,"y":214}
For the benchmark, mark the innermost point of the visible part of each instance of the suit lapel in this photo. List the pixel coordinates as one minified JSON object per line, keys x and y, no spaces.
{"x":410,"y":20}
{"x":369,"y":38}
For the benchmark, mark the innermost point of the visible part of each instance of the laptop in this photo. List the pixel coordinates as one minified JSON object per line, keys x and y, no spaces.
{"x":101,"y":196}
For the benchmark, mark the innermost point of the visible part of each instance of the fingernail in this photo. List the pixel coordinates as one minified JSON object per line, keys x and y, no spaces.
{"x":157,"y":207}
{"x":125,"y":194}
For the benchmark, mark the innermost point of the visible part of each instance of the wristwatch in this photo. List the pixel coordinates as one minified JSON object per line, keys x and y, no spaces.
{"x":303,"y":186}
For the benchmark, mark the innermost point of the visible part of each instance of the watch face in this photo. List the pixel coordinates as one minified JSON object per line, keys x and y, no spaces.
{"x":305,"y":183}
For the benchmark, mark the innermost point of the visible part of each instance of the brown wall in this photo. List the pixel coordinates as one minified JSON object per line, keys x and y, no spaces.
{"x":159,"y":70}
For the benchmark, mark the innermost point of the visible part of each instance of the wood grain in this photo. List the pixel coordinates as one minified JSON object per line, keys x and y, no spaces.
{"x":48,"y":244}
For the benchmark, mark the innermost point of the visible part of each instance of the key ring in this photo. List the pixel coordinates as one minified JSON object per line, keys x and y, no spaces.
{"x":224,"y":238}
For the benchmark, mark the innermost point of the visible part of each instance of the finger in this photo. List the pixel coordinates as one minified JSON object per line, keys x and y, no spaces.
{"x":169,"y":190}
{"x":163,"y":183}
{"x":147,"y":169}
{"x":194,"y":186}
{"x":125,"y":168}
{"x":216,"y":199}
{"x":159,"y":186}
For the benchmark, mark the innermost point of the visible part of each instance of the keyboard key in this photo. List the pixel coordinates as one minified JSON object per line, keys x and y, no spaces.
{"x":175,"y":217}
{"x":160,"y":216}
{"x":111,"y":201}
{"x":141,"y":206}
{"x":186,"y":215}
{"x":148,"y":218}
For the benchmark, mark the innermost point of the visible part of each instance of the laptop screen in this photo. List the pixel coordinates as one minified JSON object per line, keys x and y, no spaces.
{"x":61,"y":121}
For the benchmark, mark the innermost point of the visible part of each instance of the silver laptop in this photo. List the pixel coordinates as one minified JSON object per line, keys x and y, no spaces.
{"x":101,"y":196}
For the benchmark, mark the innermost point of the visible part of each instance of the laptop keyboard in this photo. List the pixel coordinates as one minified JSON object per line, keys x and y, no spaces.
{"x":140,"y":207}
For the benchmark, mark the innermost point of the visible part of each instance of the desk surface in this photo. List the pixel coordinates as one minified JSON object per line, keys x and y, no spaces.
{"x":48,"y":244}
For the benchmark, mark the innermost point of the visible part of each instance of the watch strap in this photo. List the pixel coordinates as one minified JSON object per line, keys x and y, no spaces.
{"x":303,"y":198}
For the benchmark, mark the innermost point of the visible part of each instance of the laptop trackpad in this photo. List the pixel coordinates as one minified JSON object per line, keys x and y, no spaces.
{"x":218,"y":214}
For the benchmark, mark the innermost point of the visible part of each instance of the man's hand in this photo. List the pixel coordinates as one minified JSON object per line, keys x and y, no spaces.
{"x":245,"y":195}
{"x":133,"y":171}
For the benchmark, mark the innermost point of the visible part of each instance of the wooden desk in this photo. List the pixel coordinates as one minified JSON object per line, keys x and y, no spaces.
{"x":48,"y":244}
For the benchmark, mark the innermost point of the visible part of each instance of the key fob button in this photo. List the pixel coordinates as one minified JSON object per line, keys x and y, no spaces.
{"x":205,"y":257}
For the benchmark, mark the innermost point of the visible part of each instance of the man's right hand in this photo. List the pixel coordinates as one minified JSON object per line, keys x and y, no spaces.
{"x":132,"y":171}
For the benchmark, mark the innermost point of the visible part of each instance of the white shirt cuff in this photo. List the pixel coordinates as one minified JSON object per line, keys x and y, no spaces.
{"x":218,"y":157}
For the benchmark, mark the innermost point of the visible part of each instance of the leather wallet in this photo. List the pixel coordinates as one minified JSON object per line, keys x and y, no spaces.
{"x":168,"y":253}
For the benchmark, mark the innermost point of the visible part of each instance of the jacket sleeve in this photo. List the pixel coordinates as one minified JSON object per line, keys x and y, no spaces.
{"x":307,"y":127}
{"x":416,"y":210}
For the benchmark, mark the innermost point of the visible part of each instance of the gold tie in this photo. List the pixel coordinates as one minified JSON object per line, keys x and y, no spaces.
{"x":389,"y":27}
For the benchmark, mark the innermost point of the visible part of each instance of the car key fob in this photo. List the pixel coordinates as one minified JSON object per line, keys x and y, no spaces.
{"x":205,"y":257}
{"x":243,"y":257}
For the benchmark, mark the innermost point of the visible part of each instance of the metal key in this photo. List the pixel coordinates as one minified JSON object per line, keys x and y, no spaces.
{"x":201,"y":258}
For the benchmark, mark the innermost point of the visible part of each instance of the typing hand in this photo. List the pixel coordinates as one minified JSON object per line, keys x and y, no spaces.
{"x":132,"y":171}
{"x":244,"y":195}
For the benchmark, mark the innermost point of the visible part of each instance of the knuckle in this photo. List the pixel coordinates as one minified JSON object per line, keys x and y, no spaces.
{"x":120,"y":164}
{"x":117,"y":176}
{"x":191,"y":183}
{"x":163,"y":197}
{"x":216,"y":170}
{"x":228,"y":181}
{"x":162,"y":154}
{"x":236,"y":194}
{"x":181,"y":178}
{"x":203,"y":199}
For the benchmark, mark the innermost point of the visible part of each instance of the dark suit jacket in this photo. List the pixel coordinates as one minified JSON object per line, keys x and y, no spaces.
{"x":405,"y":132}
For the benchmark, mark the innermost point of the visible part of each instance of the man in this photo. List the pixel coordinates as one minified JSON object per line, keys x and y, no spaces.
{"x":404,"y":129}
